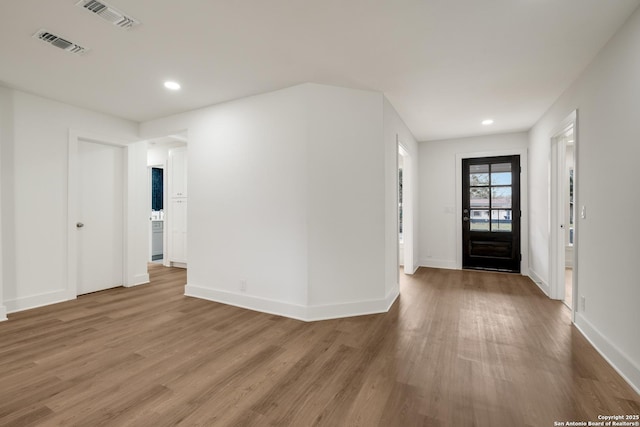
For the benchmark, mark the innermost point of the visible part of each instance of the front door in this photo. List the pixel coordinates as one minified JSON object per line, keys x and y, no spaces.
{"x":491,"y":213}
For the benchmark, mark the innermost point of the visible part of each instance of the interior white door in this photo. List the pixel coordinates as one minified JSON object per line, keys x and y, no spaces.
{"x":178,"y":226}
{"x":178,"y":172}
{"x":100,"y":219}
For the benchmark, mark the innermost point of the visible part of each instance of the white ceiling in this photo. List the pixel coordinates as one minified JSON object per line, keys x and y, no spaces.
{"x":444,"y":64}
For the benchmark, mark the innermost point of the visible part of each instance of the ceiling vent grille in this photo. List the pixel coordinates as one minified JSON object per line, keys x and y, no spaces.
{"x":59,"y":42}
{"x":108,"y":13}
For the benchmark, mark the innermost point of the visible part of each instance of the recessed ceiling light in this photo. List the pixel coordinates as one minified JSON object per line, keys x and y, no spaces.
{"x":172,"y":85}
{"x":487,"y":122}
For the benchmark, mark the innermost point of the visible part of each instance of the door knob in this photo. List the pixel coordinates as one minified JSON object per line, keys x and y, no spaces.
{"x":79,"y":225}
{"x":465,"y":218}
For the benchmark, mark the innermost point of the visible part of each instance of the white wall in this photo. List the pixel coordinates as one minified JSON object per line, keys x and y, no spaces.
{"x":6,"y":135}
{"x":606,"y":97}
{"x":346,"y":195}
{"x":158,"y":154}
{"x":247,"y":199}
{"x":440,"y":206}
{"x":34,"y":195}
{"x":287,"y":192}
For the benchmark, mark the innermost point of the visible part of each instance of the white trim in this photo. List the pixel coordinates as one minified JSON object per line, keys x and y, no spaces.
{"x":165,"y":208}
{"x":72,"y":204}
{"x":618,"y":360}
{"x":38,"y":300}
{"x":576,"y":216}
{"x":564,"y":125}
{"x":264,"y":305}
{"x":140,"y":279}
{"x":396,"y":186}
{"x":291,"y":310}
{"x":524,"y":206}
{"x":413,"y":270}
{"x":537,"y":279}
{"x":557,"y":262}
{"x":150,"y":195}
{"x":350,"y":309}
{"x":408,"y":255}
{"x":439,"y":263}
{"x":3,"y":313}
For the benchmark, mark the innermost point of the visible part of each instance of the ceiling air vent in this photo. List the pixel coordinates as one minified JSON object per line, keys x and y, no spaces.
{"x":59,"y":42}
{"x":108,"y":13}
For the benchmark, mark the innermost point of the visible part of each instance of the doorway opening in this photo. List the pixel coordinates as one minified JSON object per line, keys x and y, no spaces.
{"x":156,"y":179}
{"x":563,"y":208}
{"x":405,"y":210}
{"x":167,"y":164}
{"x":400,"y":209}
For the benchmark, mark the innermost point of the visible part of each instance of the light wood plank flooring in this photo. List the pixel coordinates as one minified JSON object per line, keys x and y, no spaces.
{"x":458,"y":348}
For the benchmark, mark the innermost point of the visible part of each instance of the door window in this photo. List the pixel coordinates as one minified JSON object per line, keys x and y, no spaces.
{"x":490,"y":188}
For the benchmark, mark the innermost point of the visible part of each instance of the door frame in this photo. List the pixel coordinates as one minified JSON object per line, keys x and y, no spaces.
{"x":72,"y":205}
{"x":408,"y":203}
{"x":524,"y":207}
{"x":165,"y":245}
{"x":556,"y":213}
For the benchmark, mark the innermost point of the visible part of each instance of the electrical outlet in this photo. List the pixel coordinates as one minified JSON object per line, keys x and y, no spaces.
{"x":583,"y":303}
{"x":243,"y":286}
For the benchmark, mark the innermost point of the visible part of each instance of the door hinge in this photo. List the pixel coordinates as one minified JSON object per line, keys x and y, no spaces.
{"x":520,"y":214}
{"x":520,"y":257}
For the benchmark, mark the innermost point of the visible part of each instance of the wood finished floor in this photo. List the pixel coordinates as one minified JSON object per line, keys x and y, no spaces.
{"x":457,"y":349}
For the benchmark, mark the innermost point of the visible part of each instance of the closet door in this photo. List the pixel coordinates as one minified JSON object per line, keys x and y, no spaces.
{"x":178,"y":172}
{"x":178,"y":231}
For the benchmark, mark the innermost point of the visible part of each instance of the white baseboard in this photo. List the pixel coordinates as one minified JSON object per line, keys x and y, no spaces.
{"x":140,"y":279}
{"x":3,"y":313}
{"x":439,"y":263}
{"x":34,"y":301}
{"x":411,"y":270}
{"x":544,"y":287}
{"x":294,"y":311}
{"x":622,"y":363}
{"x":350,"y":309}
{"x":177,"y":264}
{"x":247,"y":301}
